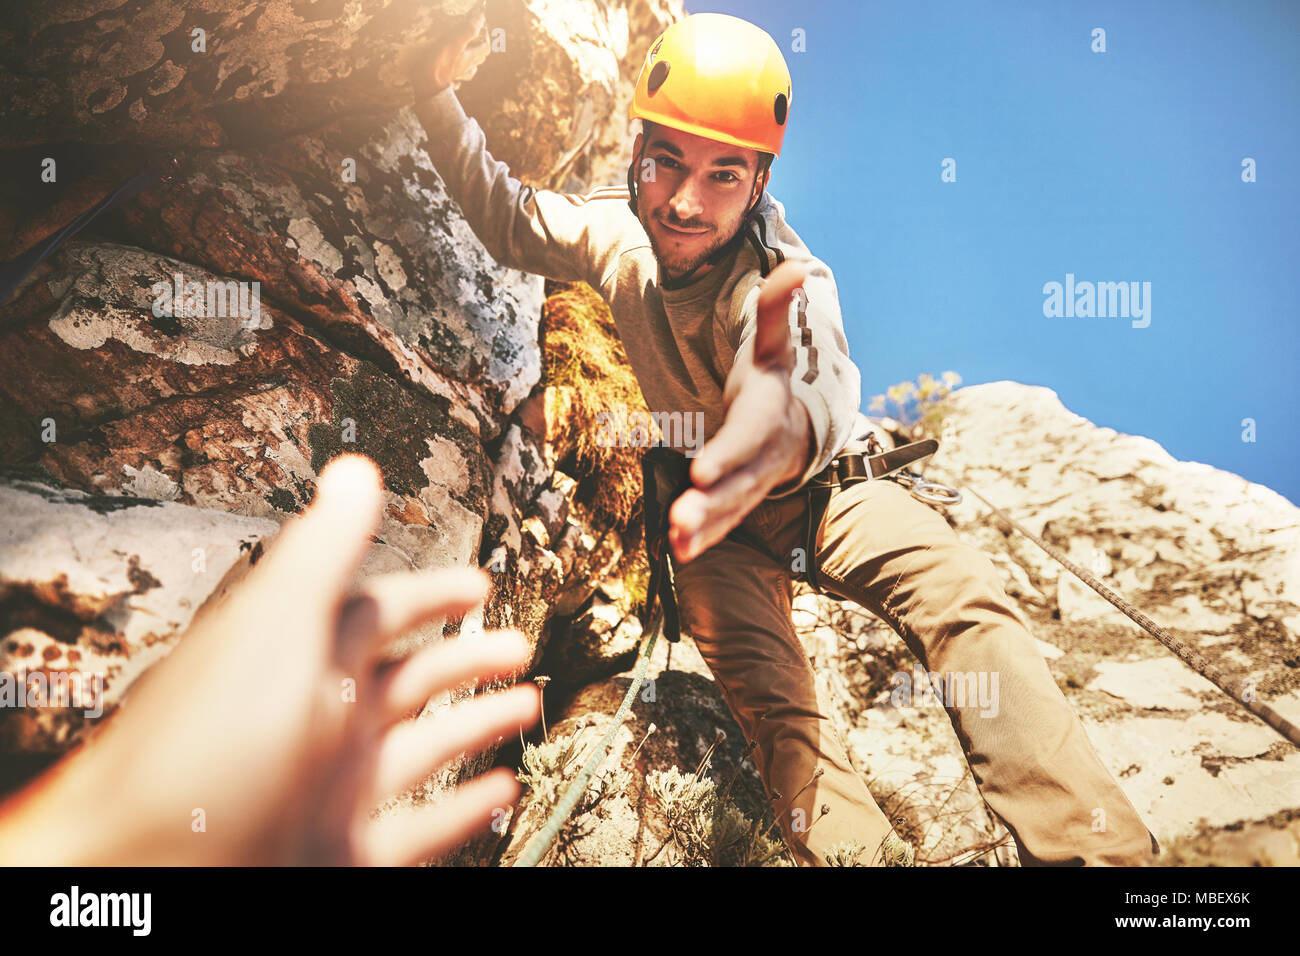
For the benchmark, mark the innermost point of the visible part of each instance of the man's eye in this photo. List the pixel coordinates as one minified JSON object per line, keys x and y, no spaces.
{"x":667,"y":162}
{"x":731,"y":177}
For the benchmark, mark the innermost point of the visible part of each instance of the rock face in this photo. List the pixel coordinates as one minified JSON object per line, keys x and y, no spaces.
{"x":1213,"y":558}
{"x":151,"y":442}
{"x":203,"y":73}
{"x":99,"y":584}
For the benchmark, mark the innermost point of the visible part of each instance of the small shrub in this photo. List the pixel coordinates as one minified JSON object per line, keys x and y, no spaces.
{"x":548,"y":769}
{"x":918,"y":403}
{"x":896,"y":852}
{"x":707,"y":826}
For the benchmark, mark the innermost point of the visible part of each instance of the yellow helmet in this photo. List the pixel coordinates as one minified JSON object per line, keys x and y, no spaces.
{"x":719,"y":77}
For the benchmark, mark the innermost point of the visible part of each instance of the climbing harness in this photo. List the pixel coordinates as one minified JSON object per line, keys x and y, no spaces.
{"x":1244,"y":697}
{"x":850,"y":467}
{"x":665,"y":474}
{"x":928,"y":491}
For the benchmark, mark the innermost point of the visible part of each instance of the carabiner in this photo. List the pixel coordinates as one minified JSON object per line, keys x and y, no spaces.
{"x":930,"y":492}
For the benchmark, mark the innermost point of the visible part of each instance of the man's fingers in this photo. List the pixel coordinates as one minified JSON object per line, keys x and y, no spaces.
{"x":699,"y":519}
{"x":319,"y":551}
{"x":414,"y":749}
{"x":750,"y":415}
{"x":772,"y":337}
{"x":407,"y":686}
{"x":386,"y":606}
{"x":412,"y":836}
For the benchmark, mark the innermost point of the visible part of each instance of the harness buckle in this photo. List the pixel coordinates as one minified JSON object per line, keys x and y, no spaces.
{"x":874,"y":464}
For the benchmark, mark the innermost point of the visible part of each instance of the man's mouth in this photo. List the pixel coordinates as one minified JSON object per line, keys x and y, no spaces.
{"x":683,"y":231}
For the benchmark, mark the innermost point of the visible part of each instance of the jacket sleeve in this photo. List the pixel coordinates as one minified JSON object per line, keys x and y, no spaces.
{"x":824,"y":378}
{"x":539,"y":231}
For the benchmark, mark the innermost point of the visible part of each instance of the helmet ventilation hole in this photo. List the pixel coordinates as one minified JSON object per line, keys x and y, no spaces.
{"x":779,"y":109}
{"x":658,"y":74}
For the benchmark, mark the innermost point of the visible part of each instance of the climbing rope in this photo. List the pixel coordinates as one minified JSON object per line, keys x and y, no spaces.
{"x":542,"y":840}
{"x":1186,"y":654}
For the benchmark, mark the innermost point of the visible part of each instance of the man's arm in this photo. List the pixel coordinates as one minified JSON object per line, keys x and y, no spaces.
{"x":538,"y":231}
{"x":791,"y":398}
{"x":822,"y":376}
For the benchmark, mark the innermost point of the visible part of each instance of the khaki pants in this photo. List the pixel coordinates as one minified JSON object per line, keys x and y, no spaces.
{"x":897,"y":557}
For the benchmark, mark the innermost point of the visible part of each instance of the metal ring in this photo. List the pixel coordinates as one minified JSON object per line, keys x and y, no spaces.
{"x":930,"y":492}
{"x":905,"y":478}
{"x":935,"y":494}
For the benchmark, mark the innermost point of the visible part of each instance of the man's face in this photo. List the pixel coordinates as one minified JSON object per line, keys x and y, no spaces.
{"x":697,"y":197}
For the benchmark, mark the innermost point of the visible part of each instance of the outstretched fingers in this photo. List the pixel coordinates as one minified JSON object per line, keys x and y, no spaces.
{"x":413,"y":749}
{"x":312,"y":561}
{"x":772,"y":336}
{"x":742,"y":435}
{"x":412,"y":836}
{"x":700,"y":519}
{"x":387,"y":606}
{"x":405,"y":687}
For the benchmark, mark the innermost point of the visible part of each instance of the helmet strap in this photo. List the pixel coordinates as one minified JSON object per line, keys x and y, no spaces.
{"x":632,"y":168}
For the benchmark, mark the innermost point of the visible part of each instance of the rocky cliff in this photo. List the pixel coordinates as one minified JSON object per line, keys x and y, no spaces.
{"x":146,"y":458}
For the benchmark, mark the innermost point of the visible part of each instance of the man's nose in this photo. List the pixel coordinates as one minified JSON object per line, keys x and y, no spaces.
{"x":686,"y":204}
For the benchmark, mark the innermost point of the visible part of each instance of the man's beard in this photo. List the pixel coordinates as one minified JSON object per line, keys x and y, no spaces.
{"x":678,"y":264}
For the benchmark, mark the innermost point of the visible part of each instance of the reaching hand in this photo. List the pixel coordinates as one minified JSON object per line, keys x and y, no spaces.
{"x":276,"y":723}
{"x":764,"y":439}
{"x":458,"y":56}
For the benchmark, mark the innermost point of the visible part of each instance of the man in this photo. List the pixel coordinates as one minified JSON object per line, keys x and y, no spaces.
{"x":705,"y":278}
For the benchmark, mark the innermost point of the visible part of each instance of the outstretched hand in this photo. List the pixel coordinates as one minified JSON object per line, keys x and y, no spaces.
{"x":277,"y":724}
{"x":765,"y":439}
{"x":458,"y":56}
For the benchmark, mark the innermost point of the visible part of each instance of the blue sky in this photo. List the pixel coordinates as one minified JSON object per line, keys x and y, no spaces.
{"x":1115,"y":166}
